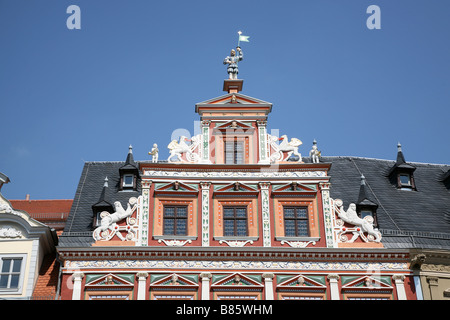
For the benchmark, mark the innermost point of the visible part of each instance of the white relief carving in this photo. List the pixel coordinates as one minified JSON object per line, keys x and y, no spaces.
{"x":109,"y":227}
{"x":6,"y":208}
{"x":235,"y":174}
{"x":236,"y":243}
{"x":298,"y":244}
{"x":10,"y":232}
{"x":178,"y":148}
{"x":291,"y":147}
{"x":174,"y":243}
{"x":258,"y":265}
{"x":361,"y":226}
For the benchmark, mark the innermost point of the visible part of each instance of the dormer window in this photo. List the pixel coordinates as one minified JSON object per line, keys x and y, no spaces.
{"x":366,"y":207}
{"x":402,"y":173}
{"x":129,"y":173}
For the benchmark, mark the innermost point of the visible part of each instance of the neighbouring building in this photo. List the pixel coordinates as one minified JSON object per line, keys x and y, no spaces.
{"x":26,"y":245}
{"x":237,"y":213}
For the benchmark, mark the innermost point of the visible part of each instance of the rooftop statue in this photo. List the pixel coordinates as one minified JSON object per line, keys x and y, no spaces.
{"x":232,"y":61}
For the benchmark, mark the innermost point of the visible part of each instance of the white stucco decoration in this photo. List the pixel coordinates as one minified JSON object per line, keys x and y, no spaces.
{"x":360,"y":225}
{"x":291,"y":147}
{"x":109,"y":227}
{"x":10,"y":232}
{"x":177,"y":148}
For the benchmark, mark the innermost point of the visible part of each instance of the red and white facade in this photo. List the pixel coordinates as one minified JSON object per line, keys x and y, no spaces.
{"x":235,"y":214}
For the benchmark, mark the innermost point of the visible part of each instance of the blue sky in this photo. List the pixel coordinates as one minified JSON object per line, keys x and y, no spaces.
{"x":134,"y":71}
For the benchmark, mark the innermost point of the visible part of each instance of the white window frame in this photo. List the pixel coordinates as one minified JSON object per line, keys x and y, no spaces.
{"x":19,"y":288}
{"x":409,"y":183}
{"x":128,"y":185}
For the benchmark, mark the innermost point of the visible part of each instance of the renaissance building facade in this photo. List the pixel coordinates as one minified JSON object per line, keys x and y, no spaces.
{"x":236,"y":213}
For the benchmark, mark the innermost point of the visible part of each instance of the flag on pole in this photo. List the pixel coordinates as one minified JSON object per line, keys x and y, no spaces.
{"x":244,"y":38}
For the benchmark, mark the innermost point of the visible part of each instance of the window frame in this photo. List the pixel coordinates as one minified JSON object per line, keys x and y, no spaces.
{"x":21,"y":273}
{"x":235,"y":141}
{"x":128,"y":185}
{"x":296,"y":219}
{"x":175,"y":218}
{"x":235,"y":218}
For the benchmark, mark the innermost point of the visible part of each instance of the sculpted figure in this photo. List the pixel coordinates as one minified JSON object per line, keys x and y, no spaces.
{"x":232,"y":61}
{"x":154,"y":153}
{"x":178,"y":148}
{"x":315,"y":153}
{"x":291,"y":147}
{"x":350,"y":216}
{"x":109,"y":220}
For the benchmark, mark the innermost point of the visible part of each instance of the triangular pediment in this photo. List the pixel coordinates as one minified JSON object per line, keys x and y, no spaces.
{"x":365,"y":282}
{"x":294,"y":187}
{"x":302,"y":282}
{"x":234,"y":124}
{"x":237,"y":187}
{"x":110,"y":279}
{"x":175,"y":186}
{"x":236,"y":280}
{"x":172,"y":280}
{"x":233,"y":98}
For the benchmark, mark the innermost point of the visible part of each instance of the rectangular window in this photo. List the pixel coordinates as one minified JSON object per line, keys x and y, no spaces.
{"x":235,"y":221}
{"x":175,"y":220}
{"x":365,"y":213}
{"x":10,"y":269}
{"x":234,"y":151}
{"x":296,"y":221}
{"x":405,"y":180}
{"x":128,"y":180}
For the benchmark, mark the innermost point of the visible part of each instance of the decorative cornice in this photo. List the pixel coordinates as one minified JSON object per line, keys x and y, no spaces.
{"x":234,"y":253}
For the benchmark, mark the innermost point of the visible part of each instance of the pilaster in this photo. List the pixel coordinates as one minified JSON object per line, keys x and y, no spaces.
{"x":204,"y":150}
{"x":334,"y":286}
{"x":205,"y":276}
{"x":400,"y":286}
{"x":77,"y":277}
{"x":205,"y":213}
{"x":328,"y":214}
{"x":268,"y":285}
{"x":142,"y":284}
{"x":144,"y":213}
{"x":262,"y":145}
{"x":265,"y":208}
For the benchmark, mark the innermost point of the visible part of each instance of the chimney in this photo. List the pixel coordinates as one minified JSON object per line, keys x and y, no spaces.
{"x":27,"y":197}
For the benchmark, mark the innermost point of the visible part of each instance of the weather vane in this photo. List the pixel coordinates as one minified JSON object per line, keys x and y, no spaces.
{"x":233,"y":59}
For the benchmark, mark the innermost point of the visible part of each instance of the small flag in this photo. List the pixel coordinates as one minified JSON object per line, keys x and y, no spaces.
{"x":244,"y":38}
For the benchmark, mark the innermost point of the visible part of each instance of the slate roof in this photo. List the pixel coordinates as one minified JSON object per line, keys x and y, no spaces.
{"x":78,"y":230}
{"x":407,"y":219}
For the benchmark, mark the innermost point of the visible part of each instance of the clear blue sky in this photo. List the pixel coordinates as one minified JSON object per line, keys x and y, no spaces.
{"x":134,"y":71}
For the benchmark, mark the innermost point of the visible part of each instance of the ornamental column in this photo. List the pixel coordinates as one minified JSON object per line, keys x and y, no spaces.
{"x":204,"y":148}
{"x":144,"y":213}
{"x":265,"y":208}
{"x":205,"y":276}
{"x":268,"y":285}
{"x":400,"y":286}
{"x":205,"y":213}
{"x":334,"y":286}
{"x":142,"y":284}
{"x":262,"y":145}
{"x":77,"y":277}
{"x":328,"y":214}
